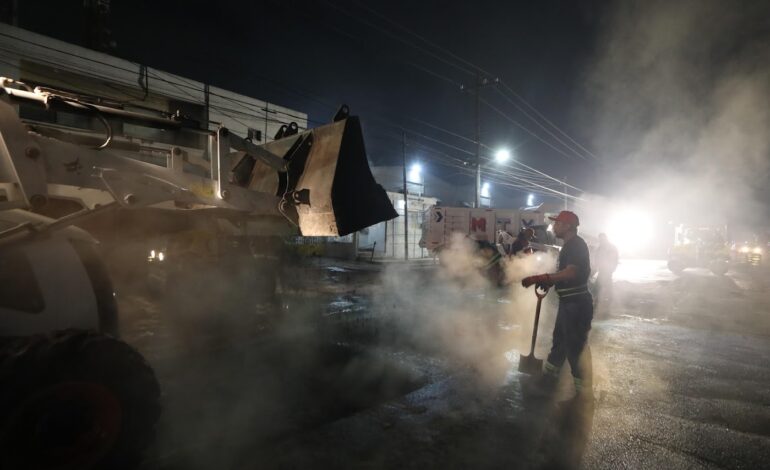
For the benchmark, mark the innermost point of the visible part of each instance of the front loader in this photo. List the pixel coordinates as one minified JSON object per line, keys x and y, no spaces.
{"x":72,"y":395}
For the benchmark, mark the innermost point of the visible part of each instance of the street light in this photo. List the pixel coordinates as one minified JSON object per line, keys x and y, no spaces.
{"x":485,"y":190}
{"x":414,"y":173}
{"x":502,"y":155}
{"x":484,"y":195}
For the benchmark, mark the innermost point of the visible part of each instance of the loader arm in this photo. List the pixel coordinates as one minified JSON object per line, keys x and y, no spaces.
{"x":319,"y":179}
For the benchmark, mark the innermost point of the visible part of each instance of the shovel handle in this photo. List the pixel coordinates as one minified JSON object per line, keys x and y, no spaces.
{"x":540,"y":297}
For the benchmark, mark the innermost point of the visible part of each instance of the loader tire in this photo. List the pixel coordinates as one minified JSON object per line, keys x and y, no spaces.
{"x":75,"y":400}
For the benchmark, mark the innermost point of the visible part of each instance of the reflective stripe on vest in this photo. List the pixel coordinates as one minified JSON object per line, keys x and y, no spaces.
{"x":572,"y":291}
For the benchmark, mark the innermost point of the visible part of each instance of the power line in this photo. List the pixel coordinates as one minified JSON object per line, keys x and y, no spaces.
{"x":532,"y":170}
{"x":476,"y":68}
{"x":490,"y":171}
{"x":446,"y":131}
{"x":422,"y":38}
{"x":545,"y":175}
{"x":516,"y":162}
{"x":224,"y":111}
{"x":432,"y":139}
{"x":397,"y":38}
{"x":541,"y":186}
{"x":179,"y":86}
{"x":117,"y":67}
{"x":221,"y":110}
{"x":435,"y":74}
{"x":524,"y":128}
{"x":523,"y":111}
{"x":249,"y":106}
{"x":526,"y":103}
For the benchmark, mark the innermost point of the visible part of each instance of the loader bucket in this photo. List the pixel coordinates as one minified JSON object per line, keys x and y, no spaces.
{"x":328,"y":187}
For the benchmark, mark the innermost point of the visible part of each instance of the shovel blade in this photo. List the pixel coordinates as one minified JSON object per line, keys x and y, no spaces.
{"x":530,"y":365}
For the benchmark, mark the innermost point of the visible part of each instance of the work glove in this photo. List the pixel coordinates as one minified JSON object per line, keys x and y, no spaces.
{"x":540,"y":279}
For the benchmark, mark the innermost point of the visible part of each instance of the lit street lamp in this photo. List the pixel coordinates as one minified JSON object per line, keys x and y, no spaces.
{"x":485,"y":190}
{"x":415,"y":177}
{"x":501,"y":156}
{"x":414,"y":173}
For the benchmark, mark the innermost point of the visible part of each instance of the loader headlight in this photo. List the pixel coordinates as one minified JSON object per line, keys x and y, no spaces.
{"x":744,"y":249}
{"x":757,"y":251}
{"x":156,"y":256}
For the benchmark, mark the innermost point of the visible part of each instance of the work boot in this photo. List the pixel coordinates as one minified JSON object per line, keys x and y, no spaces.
{"x":581,"y":399}
{"x":578,"y":409}
{"x":543,"y":386}
{"x":584,"y":396}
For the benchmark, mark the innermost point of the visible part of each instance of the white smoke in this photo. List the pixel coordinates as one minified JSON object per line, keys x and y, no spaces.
{"x":459,"y":315}
{"x":677,"y":104}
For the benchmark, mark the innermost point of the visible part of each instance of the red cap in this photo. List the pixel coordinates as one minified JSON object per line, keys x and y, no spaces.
{"x":568,"y":217}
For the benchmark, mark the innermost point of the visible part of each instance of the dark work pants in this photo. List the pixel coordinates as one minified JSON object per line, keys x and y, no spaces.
{"x":570,"y":335}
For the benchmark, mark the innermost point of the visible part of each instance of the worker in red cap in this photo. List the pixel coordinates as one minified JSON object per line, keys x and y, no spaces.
{"x":573,"y":319}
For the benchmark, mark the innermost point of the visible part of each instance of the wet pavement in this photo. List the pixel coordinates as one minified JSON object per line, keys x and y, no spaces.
{"x":341,"y":378}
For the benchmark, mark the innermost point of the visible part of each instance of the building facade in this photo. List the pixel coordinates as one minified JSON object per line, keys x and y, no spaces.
{"x":42,"y":61}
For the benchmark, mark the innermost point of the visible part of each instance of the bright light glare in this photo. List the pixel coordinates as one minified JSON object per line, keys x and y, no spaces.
{"x":757,"y":251}
{"x":530,"y":200}
{"x":414,"y":172}
{"x":161,"y":256}
{"x":744,"y":249}
{"x":502,"y":155}
{"x":485,"y":190}
{"x":630,"y":230}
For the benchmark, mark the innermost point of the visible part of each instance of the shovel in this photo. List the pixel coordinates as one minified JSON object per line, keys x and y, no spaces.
{"x":530,"y":364}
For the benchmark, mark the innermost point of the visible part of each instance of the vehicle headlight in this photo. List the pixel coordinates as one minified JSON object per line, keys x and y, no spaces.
{"x":757,"y":251}
{"x":744,"y":249}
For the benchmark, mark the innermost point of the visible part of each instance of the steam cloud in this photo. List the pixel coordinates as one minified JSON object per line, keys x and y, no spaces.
{"x":457,"y":315}
{"x":677,"y":101}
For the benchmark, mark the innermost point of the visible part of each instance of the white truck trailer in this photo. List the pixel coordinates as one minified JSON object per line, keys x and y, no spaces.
{"x":485,"y":225}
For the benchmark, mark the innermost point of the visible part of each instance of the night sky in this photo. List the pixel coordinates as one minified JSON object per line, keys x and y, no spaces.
{"x":313,"y":55}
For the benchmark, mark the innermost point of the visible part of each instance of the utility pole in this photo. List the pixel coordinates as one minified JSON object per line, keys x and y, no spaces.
{"x":478,"y":140}
{"x":406,"y":198}
{"x":480,"y":83}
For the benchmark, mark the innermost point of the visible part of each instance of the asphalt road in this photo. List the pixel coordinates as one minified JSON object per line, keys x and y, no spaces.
{"x":346,"y":379}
